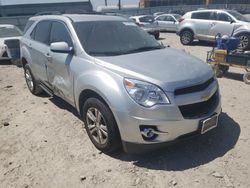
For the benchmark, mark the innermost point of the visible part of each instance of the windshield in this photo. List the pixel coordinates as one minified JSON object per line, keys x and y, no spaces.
{"x":238,"y":16}
{"x":9,"y":32}
{"x":177,"y":16}
{"x":109,"y":38}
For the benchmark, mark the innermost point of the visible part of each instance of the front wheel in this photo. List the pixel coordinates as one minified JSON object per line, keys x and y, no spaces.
{"x":101,"y":126}
{"x":244,"y":41}
{"x":186,"y":37}
{"x":31,"y":82}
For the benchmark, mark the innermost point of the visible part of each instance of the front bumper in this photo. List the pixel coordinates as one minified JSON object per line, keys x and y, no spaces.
{"x":167,"y":119}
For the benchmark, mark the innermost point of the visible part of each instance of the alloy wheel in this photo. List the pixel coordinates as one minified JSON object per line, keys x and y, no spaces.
{"x":29,"y":80}
{"x":97,"y":125}
{"x":244,"y":42}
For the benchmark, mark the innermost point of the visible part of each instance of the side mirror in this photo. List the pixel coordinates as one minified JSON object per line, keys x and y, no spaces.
{"x":232,"y":22}
{"x":61,"y":47}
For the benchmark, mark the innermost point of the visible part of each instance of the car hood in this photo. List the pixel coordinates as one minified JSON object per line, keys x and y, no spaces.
{"x":169,"y":68}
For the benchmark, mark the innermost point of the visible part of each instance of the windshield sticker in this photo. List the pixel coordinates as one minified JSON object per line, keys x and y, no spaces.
{"x":129,"y":23}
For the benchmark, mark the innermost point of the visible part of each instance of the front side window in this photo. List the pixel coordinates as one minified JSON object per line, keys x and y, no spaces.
{"x":224,"y":17}
{"x":60,"y":33}
{"x":161,"y":18}
{"x":108,"y":38}
{"x":41,"y":32}
{"x":169,"y":19}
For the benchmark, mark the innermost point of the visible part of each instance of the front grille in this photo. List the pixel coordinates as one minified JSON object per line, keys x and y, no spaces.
{"x":197,"y":110}
{"x":192,"y":89}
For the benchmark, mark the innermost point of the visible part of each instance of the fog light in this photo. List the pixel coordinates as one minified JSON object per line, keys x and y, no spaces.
{"x":148,"y":132}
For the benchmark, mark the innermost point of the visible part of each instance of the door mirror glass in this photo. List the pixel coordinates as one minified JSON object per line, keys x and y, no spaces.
{"x":61,"y":47}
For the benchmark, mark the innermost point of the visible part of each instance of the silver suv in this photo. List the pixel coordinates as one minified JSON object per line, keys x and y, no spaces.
{"x":130,"y":90}
{"x":204,"y":25}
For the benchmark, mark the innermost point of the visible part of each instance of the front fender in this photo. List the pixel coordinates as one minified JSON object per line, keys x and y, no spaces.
{"x":106,"y":84}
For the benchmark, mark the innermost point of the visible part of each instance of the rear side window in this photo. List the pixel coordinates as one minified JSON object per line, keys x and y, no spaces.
{"x":42,"y":31}
{"x":202,"y":15}
{"x":60,"y":33}
{"x":147,"y":19}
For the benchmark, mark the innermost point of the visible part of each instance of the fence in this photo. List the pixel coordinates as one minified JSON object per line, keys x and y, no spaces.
{"x":243,"y":8}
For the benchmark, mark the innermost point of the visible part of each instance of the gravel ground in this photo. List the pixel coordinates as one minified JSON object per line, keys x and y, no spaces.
{"x":43,"y":143}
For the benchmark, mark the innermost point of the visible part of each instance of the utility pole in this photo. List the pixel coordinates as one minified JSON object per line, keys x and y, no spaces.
{"x":106,"y":2}
{"x":119,"y":4}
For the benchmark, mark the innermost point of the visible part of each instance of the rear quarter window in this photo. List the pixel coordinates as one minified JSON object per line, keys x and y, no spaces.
{"x":28,"y":25}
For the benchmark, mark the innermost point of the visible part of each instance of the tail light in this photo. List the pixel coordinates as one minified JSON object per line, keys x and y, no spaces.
{"x":181,"y":19}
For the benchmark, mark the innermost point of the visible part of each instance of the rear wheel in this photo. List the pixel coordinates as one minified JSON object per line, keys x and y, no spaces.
{"x":186,"y":37}
{"x":246,"y":78}
{"x":157,"y":36}
{"x":244,"y":41}
{"x":31,"y":82}
{"x":101,"y":125}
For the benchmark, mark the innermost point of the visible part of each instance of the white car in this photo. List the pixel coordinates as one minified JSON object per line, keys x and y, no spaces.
{"x":148,"y":24}
{"x":168,"y":22}
{"x":9,"y":42}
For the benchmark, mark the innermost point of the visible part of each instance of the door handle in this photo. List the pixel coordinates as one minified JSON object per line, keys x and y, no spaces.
{"x":48,"y":56}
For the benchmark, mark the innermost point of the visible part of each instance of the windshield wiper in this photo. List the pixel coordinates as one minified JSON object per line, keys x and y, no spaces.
{"x":146,"y":48}
{"x":105,"y":53}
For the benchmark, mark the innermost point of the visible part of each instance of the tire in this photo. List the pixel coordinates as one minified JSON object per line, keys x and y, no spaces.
{"x":157,"y":36}
{"x":246,"y":78}
{"x":224,"y":68}
{"x":186,"y":37}
{"x":244,"y":41}
{"x":217,"y":71}
{"x":31,"y":82}
{"x":103,"y":133}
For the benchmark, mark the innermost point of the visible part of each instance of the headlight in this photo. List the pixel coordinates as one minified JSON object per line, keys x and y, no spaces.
{"x":144,"y":93}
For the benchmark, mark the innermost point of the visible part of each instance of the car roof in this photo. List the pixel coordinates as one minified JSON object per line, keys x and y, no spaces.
{"x":140,"y":16}
{"x":7,"y":26}
{"x":81,"y":17}
{"x":209,"y":10}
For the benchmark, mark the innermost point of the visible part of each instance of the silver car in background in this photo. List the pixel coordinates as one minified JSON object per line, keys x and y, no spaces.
{"x":9,"y":42}
{"x":204,"y":25}
{"x":168,"y":22}
{"x":129,"y":90}
{"x":148,"y":24}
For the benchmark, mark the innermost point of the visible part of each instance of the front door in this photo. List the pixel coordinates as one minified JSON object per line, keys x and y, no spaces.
{"x":223,"y":25}
{"x":59,"y":72}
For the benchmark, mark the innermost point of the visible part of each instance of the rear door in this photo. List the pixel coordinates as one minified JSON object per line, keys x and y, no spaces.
{"x":223,"y":25}
{"x":59,"y":68}
{"x":202,"y":21}
{"x":38,"y":47}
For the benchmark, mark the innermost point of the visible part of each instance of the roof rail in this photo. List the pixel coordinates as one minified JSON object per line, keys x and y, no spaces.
{"x":48,"y":13}
{"x":80,"y":11}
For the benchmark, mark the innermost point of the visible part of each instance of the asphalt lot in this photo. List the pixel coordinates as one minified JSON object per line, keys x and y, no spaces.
{"x":43,"y":143}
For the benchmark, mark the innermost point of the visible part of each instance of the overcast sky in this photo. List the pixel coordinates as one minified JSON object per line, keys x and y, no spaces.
{"x":95,"y":3}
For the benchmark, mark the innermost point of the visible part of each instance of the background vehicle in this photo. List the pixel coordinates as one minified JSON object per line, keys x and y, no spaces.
{"x":9,"y":42}
{"x":206,"y":24}
{"x":158,"y":13}
{"x":130,"y":90}
{"x":168,"y":22}
{"x":147,"y":23}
